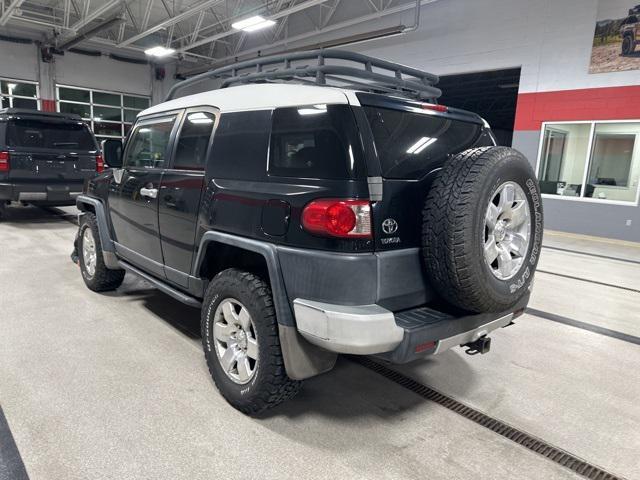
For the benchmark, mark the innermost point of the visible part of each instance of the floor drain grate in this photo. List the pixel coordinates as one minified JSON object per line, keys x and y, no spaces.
{"x":530,"y":442}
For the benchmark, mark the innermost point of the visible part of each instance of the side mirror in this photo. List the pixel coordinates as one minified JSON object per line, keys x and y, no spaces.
{"x":112,"y":152}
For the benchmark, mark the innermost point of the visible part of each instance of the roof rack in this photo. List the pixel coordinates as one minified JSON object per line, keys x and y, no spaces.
{"x":39,"y":113}
{"x":354,"y":70}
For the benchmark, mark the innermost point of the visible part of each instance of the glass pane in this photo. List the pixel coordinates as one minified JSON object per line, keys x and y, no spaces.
{"x":4,"y":102}
{"x":83,"y":110}
{"x":130,"y":115}
{"x":136,"y":102}
{"x":24,"y":89}
{"x":73,"y":94}
{"x":564,"y":152}
{"x":104,"y":128}
{"x":191,"y":152}
{"x":315,"y":141}
{"x":127,"y":128}
{"x":614,"y":169}
{"x":106,"y":98}
{"x":106,"y":113}
{"x":43,"y":134}
{"x":412,"y":144}
{"x":25,"y":103}
{"x":148,"y":145}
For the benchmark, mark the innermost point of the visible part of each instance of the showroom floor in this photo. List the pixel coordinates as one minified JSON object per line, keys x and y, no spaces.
{"x":115,"y":386}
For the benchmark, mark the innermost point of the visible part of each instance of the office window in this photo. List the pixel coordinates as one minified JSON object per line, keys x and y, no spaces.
{"x":18,"y":94}
{"x":594,"y":160}
{"x":109,"y":114}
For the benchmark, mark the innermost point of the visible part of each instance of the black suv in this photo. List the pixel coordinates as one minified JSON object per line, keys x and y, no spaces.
{"x":309,"y":219}
{"x":45,"y":157}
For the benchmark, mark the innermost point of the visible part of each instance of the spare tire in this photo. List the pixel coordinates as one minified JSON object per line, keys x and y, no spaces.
{"x":482,"y":229}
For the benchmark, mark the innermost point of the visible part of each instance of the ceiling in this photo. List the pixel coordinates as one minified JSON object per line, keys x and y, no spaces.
{"x":199,"y":30}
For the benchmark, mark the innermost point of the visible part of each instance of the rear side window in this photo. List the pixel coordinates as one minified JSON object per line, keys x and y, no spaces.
{"x":410,"y":145}
{"x":315,"y":141}
{"x":147,"y":147}
{"x":29,"y":133}
{"x":193,"y":141}
{"x":240,"y":146}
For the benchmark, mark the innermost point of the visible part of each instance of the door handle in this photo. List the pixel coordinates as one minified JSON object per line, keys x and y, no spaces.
{"x":149,"y":192}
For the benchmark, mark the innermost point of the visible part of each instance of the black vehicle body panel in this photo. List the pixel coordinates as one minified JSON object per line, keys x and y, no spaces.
{"x":45,"y":175}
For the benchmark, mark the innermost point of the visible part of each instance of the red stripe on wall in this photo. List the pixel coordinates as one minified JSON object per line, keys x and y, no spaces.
{"x":48,"y":105}
{"x":611,"y":103}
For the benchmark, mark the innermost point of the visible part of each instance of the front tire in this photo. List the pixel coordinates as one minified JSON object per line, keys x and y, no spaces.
{"x":241,"y":343}
{"x":95,"y":274}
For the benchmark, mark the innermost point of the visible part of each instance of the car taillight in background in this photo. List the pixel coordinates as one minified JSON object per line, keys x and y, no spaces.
{"x":4,"y":161}
{"x":344,"y":218}
{"x":99,"y":164}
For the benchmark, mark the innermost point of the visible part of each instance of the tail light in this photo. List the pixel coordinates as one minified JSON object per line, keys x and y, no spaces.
{"x":338,"y":218}
{"x":99,"y":164}
{"x":4,"y":161}
{"x":434,"y":107}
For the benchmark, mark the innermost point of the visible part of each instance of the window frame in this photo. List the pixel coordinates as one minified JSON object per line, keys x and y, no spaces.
{"x":11,"y":96}
{"x":150,"y":120}
{"x":587,"y":161}
{"x":91,"y":104}
{"x":183,"y":117}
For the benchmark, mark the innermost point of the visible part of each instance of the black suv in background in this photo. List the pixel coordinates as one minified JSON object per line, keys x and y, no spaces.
{"x":45,"y":157}
{"x":308,"y":220}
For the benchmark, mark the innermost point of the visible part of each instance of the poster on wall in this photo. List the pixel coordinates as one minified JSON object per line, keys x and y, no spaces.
{"x":616,"y":40}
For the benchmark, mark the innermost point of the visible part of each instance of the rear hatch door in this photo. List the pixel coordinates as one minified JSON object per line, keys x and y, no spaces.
{"x":413,"y":140}
{"x":52,"y":151}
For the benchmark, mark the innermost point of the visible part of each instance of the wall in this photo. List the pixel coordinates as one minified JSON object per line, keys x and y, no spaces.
{"x":21,"y":61}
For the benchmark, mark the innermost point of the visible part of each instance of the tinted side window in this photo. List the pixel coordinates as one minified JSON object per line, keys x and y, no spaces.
{"x":147,"y":147}
{"x":240,"y":146}
{"x":31,"y":133}
{"x":314,"y":141}
{"x":410,"y":145}
{"x":193,"y":142}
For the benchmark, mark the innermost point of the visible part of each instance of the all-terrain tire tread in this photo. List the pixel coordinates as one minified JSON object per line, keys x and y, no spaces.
{"x":104,"y":279}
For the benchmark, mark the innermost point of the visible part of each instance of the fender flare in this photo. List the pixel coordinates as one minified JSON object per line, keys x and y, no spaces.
{"x":301,"y":358}
{"x":108,"y":247}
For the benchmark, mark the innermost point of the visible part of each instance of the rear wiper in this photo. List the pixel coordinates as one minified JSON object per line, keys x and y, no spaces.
{"x":65,"y":144}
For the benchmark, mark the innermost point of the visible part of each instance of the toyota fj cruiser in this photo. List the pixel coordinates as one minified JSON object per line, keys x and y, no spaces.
{"x":45,"y":157}
{"x":312,"y":210}
{"x":630,"y":31}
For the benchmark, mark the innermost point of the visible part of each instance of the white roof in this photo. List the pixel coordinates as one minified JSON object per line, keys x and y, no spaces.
{"x":259,"y":96}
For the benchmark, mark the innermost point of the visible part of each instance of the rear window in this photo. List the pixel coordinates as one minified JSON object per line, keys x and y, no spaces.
{"x":410,"y":145}
{"x":315,"y":141}
{"x":55,"y":135}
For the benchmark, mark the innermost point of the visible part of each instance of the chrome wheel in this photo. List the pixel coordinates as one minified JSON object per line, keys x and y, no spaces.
{"x":507,"y":230}
{"x":235,"y":341}
{"x":89,"y":252}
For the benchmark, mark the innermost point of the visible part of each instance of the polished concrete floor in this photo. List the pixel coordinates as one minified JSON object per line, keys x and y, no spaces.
{"x":114,"y":385}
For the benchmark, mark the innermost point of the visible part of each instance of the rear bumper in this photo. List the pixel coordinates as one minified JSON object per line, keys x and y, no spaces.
{"x":63,"y":193}
{"x":398,"y":338}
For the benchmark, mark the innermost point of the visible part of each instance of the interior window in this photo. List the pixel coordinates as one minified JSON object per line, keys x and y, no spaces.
{"x":148,"y":145}
{"x":191,"y":151}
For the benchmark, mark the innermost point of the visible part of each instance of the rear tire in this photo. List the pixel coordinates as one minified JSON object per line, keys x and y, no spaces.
{"x":241,"y":343}
{"x":95,"y":274}
{"x":482,"y":229}
{"x":627,"y":45}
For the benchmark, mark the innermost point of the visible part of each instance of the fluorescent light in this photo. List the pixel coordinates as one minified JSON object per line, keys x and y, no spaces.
{"x":252,"y":24}
{"x":420,"y":145}
{"x":159,"y":51}
{"x":313,"y":110}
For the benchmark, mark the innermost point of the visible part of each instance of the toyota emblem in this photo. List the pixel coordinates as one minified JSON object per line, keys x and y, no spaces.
{"x":389,"y":226}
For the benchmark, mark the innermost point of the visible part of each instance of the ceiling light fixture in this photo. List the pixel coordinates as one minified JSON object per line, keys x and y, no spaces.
{"x":159,"y":51}
{"x":252,"y":24}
